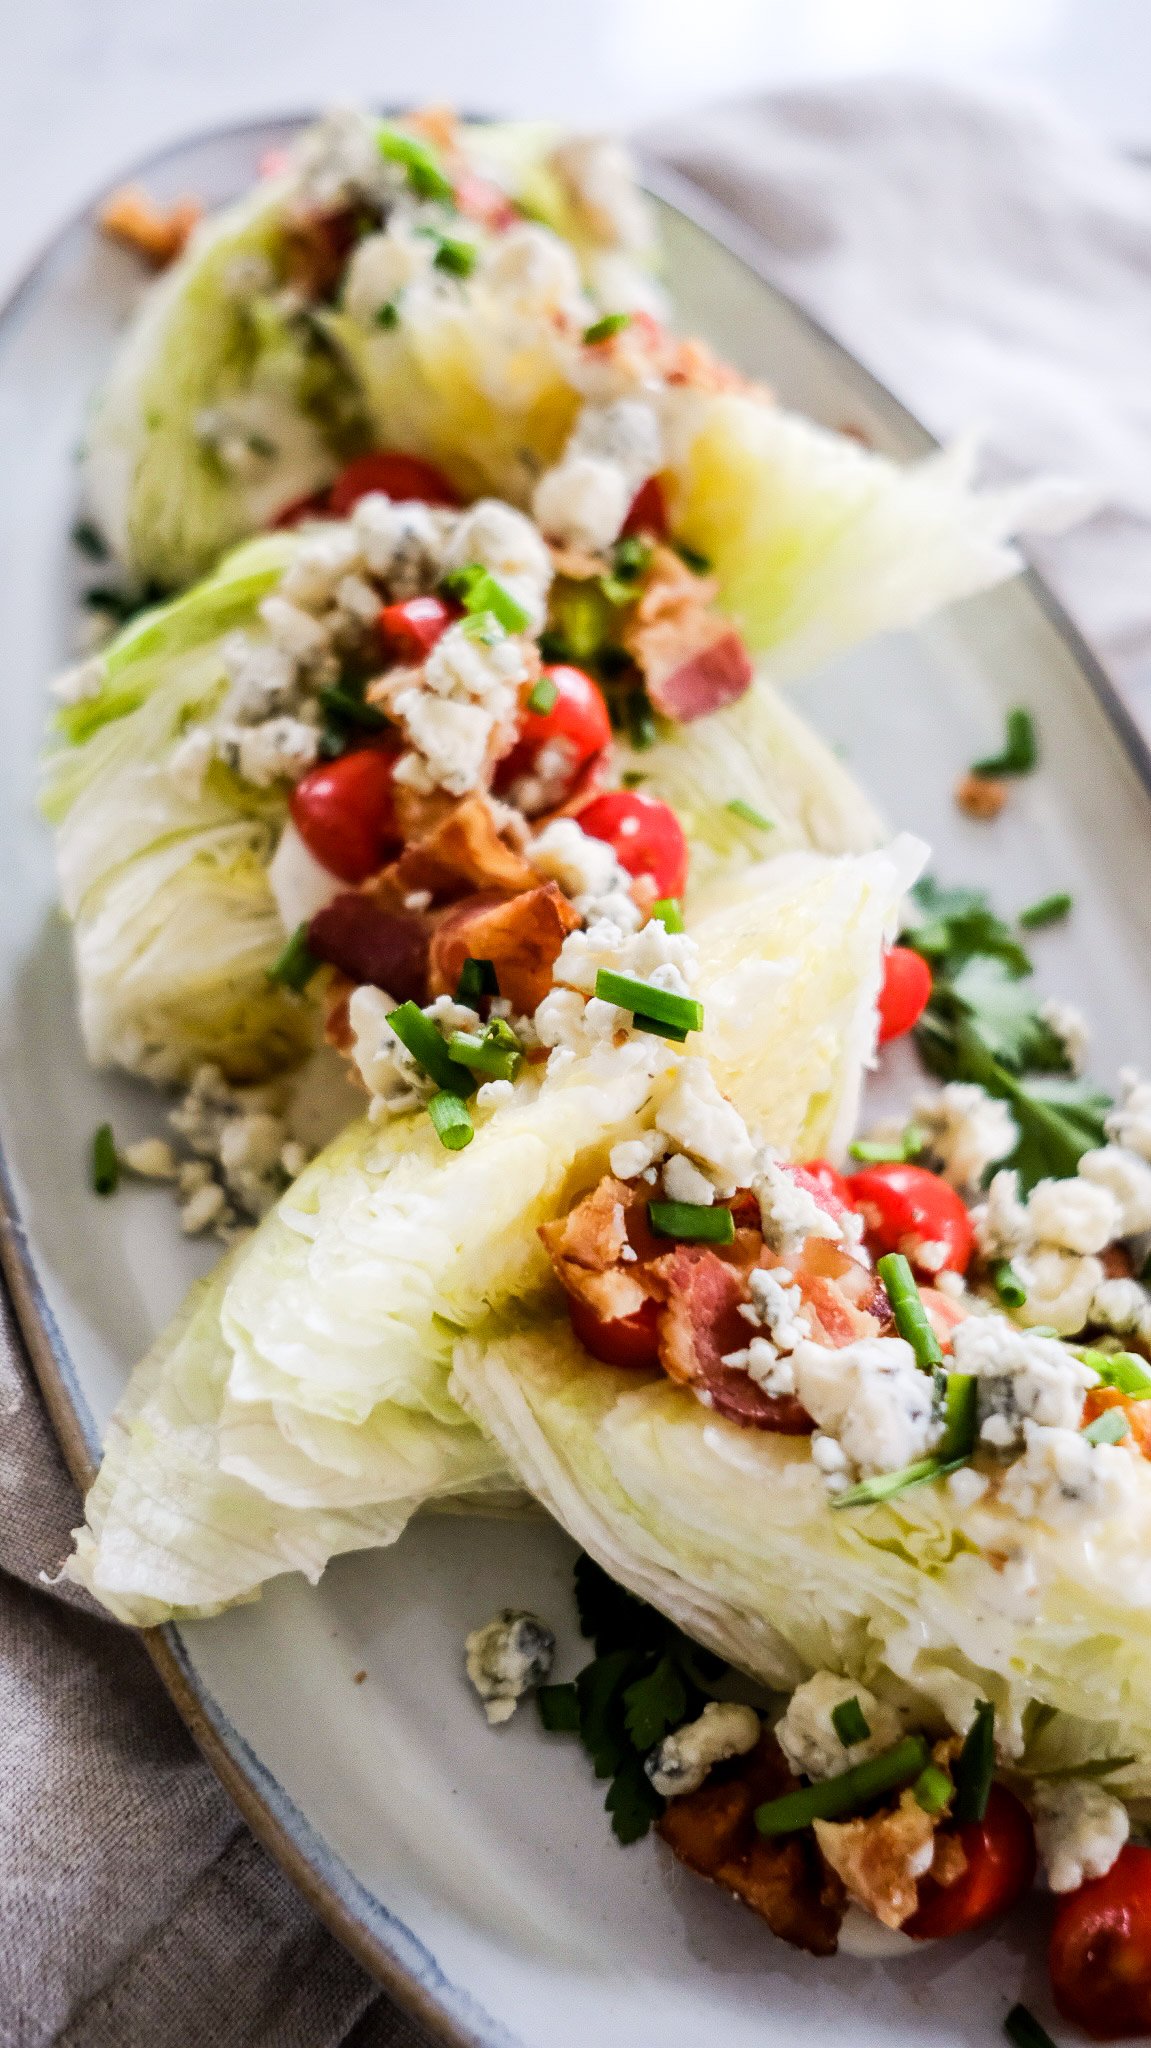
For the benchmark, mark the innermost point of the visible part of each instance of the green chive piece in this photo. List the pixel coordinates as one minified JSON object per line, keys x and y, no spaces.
{"x":740,"y":808}
{"x":933,"y":1789}
{"x":642,"y":997}
{"x":477,"y":978}
{"x":543,"y":696}
{"x":1122,"y":1369}
{"x":454,"y":257}
{"x":607,"y":325}
{"x":691,"y":558}
{"x":426,"y":1046}
{"x":674,"y":1032}
{"x":388,"y":315}
{"x":907,"y":1307}
{"x":479,"y":591}
{"x":692,"y":1222}
{"x":975,"y":1766}
{"x":633,"y":777}
{"x":1108,"y":1428}
{"x":347,"y":709}
{"x":886,"y":1485}
{"x":641,"y":729}
{"x":88,"y":538}
{"x":1048,"y":910}
{"x":1020,"y":750}
{"x":959,"y":1415}
{"x":1024,"y":2029}
{"x":850,"y":1722}
{"x":105,"y":1162}
{"x":878,"y":1151}
{"x":631,"y":557}
{"x":486,"y":1054}
{"x":425,"y":176}
{"x":668,"y":911}
{"x":452,"y":1119}
{"x":295,"y":966}
{"x":1008,"y":1286}
{"x":847,"y":1792}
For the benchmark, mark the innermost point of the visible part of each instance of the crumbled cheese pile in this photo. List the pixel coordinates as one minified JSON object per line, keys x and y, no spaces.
{"x":682,"y":1761}
{"x":809,"y":1738}
{"x":243,"y":1155}
{"x":583,"y":501}
{"x":1079,"y":1830}
{"x":506,"y":1658}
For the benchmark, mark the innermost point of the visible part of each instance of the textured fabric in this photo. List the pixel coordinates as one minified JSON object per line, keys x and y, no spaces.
{"x":991,"y":265}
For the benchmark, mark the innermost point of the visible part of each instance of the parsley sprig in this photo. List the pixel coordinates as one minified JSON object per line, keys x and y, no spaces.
{"x":645,"y":1679}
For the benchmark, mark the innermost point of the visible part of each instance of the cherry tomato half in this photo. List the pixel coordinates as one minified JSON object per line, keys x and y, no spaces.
{"x":410,"y":630}
{"x":577,"y":727}
{"x":398,"y":476}
{"x":905,"y":1207}
{"x":905,"y":993}
{"x":345,"y":813}
{"x":647,"y":512}
{"x":1000,"y":1851}
{"x":618,"y":1340}
{"x":826,"y":1183}
{"x":1100,"y":1952}
{"x":644,"y":834}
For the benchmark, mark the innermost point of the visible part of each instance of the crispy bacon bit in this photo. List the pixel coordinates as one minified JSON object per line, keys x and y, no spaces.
{"x":949,"y":1860}
{"x":981,"y":796}
{"x":882,"y":1858}
{"x":785,"y":1881}
{"x":699,"y":1323}
{"x":520,"y":935}
{"x":586,"y":1248}
{"x":129,"y":216}
{"x":316,"y":248}
{"x":691,"y":660}
{"x":439,"y":124}
{"x":369,"y":944}
{"x":461,"y":852}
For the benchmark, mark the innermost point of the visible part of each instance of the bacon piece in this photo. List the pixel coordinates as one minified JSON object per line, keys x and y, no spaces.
{"x":699,"y":1323}
{"x":463,"y":852}
{"x":1137,"y":1413}
{"x":784,"y":1880}
{"x":586,"y":1248}
{"x":520,"y":935}
{"x":159,"y":235}
{"x":691,"y":660}
{"x":369,"y":944}
{"x":882,"y":1858}
{"x":316,"y":248}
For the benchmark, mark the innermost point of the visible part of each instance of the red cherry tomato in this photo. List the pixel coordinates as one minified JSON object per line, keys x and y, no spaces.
{"x":312,"y":507}
{"x":1000,"y":1851}
{"x":577,"y":727}
{"x":645,"y":836}
{"x":906,"y":1206}
{"x":619,"y":1340}
{"x":398,"y":476}
{"x":345,"y":813}
{"x":825,"y":1182}
{"x":647,"y":512}
{"x":905,"y":993}
{"x":1100,"y":1953}
{"x":410,"y":630}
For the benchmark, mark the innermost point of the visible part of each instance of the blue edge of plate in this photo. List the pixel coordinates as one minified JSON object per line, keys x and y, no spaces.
{"x":385,"y":1944}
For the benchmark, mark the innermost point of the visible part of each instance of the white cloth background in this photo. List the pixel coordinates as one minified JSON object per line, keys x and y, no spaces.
{"x":991,"y":264}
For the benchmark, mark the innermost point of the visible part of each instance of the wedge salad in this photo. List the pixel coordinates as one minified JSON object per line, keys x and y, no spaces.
{"x":448,"y":750}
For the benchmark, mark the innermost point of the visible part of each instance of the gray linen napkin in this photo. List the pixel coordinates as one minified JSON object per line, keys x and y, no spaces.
{"x":990,"y":262}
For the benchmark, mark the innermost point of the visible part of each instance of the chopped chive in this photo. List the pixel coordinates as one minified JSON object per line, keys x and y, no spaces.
{"x":1122,"y":1369}
{"x":1091,"y":1767}
{"x":1008,"y":1286}
{"x":674,"y":1032}
{"x":479,"y":591}
{"x":668,"y":911}
{"x":607,"y":325}
{"x":347,"y":709}
{"x":632,"y":778}
{"x":90,"y":541}
{"x":959,"y":1412}
{"x":975,"y":1766}
{"x":642,"y":997}
{"x":907,"y":1307}
{"x":691,"y":558}
{"x":425,"y":177}
{"x":692,"y":1222}
{"x":878,"y":1151}
{"x":887,"y":1484}
{"x":933,"y":1789}
{"x":477,"y":978}
{"x":641,"y":730}
{"x":740,"y":808}
{"x":631,"y":557}
{"x":847,"y":1792}
{"x":558,"y":1708}
{"x":850,"y":1722}
{"x":486,"y":1055}
{"x":1020,"y":750}
{"x":295,"y":966}
{"x":1048,"y":910}
{"x":452,"y":1119}
{"x":454,"y":257}
{"x":105,"y":1162}
{"x":544,"y":695}
{"x":1024,"y":2029}
{"x":1108,"y":1428}
{"x":388,"y":315}
{"x":427,"y":1048}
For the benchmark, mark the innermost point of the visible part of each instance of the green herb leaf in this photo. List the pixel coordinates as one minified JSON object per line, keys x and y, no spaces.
{"x":850,"y":1722}
{"x":452,"y":1120}
{"x":558,"y":1707}
{"x":632,"y":1802}
{"x":1048,"y":910}
{"x":345,"y":708}
{"x":295,"y":965}
{"x":975,"y":1766}
{"x":1024,"y":2029}
{"x":847,"y":1792}
{"x":740,"y":808}
{"x":388,"y":315}
{"x":600,"y":1688}
{"x":611,"y":1616}
{"x":105,"y":1162}
{"x":607,"y":325}
{"x":1108,"y":1428}
{"x":692,"y":1222}
{"x":958,"y":925}
{"x":1006,"y":1018}
{"x":87,"y":536}
{"x":1020,"y":748}
{"x":653,"y":1704}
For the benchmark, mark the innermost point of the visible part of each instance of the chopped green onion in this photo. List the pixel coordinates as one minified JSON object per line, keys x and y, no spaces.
{"x":691,"y":558}
{"x":674,"y":1032}
{"x":877,"y":1151}
{"x":641,"y":730}
{"x":667,"y":909}
{"x":347,"y":709}
{"x":427,"y":1048}
{"x":456,"y":258}
{"x":607,"y":325}
{"x":105,"y":1162}
{"x":558,"y":1707}
{"x":692,"y":1222}
{"x":959,"y":1416}
{"x":933,"y":1789}
{"x":1020,"y":751}
{"x":477,"y":978}
{"x":388,"y":315}
{"x":1122,"y":1369}
{"x":740,"y":808}
{"x":479,"y":591}
{"x":425,"y":177}
{"x":887,"y":1484}
{"x":1108,"y":1428}
{"x":1048,"y":910}
{"x":631,"y":557}
{"x":543,"y":695}
{"x":1024,"y":2029}
{"x":1008,"y":1286}
{"x":1091,"y":1767}
{"x":487,"y":1054}
{"x":452,"y":1119}
{"x":850,"y":1722}
{"x":847,"y":1792}
{"x":483,"y":627}
{"x":975,"y":1766}
{"x":90,"y":541}
{"x":911,"y":1318}
{"x":295,"y":966}
{"x":633,"y":777}
{"x":643,"y":998}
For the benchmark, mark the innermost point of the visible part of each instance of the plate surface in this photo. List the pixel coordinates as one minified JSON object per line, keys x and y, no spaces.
{"x":475,"y":1871}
